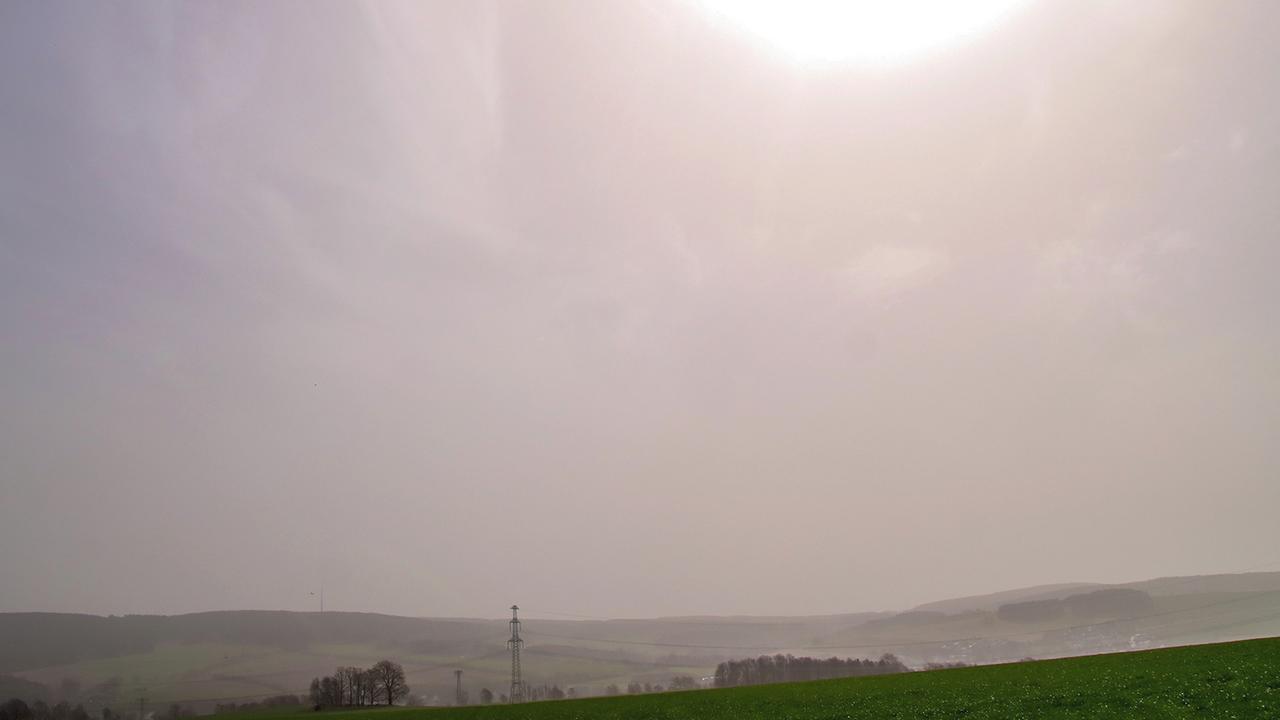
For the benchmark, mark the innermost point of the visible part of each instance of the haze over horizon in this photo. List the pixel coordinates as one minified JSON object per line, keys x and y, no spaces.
{"x":613,"y":309}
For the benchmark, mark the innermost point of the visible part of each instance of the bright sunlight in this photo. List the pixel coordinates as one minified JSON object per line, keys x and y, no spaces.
{"x":866,"y":31}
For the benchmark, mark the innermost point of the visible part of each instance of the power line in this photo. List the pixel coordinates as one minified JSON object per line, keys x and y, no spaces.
{"x":763,"y":621}
{"x":911,"y":643}
{"x":296,"y":671}
{"x":420,"y":668}
{"x":1185,"y":580}
{"x":803,"y":620}
{"x":718,"y":623}
{"x":482,"y":657}
{"x":463,"y":662}
{"x":229,"y":697}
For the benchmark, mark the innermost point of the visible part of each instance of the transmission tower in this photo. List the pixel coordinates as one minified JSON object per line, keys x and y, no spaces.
{"x":517,"y":685}
{"x":458,"y":674}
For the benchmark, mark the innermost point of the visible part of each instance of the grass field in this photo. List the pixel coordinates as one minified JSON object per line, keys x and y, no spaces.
{"x":1230,"y":680}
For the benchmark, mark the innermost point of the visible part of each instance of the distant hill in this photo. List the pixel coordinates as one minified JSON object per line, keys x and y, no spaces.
{"x":1179,"y":585}
{"x":991,"y":601}
{"x":1222,"y":583}
{"x":1230,"y":680}
{"x":205,"y":658}
{"x":34,"y":640}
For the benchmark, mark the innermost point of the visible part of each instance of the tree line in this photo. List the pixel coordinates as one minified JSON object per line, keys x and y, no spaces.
{"x":788,"y":668}
{"x":531,"y":693}
{"x":1105,"y":603}
{"x":635,"y":687}
{"x":269,"y":703}
{"x":18,"y":709}
{"x":382,"y":684}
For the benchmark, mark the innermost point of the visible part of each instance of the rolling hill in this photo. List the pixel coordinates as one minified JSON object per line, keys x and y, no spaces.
{"x":207,"y":658}
{"x":1234,"y":680}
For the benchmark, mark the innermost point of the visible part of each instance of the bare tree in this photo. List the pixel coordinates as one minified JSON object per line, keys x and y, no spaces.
{"x":683,"y":682}
{"x":342,"y":678}
{"x":390,"y":680}
{"x":370,"y":688}
{"x":330,"y":691}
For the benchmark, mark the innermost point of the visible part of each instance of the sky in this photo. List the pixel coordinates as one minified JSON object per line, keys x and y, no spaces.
{"x":615,"y":309}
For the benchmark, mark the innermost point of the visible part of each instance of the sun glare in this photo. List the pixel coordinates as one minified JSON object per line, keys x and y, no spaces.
{"x":866,"y":31}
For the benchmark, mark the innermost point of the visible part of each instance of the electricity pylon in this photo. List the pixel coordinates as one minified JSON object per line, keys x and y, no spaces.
{"x":517,"y":685}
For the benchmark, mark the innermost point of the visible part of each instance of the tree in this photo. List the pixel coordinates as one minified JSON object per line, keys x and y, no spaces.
{"x":342,"y":686}
{"x":15,"y":709}
{"x":370,"y":688}
{"x":634,"y":688}
{"x":389,"y":676}
{"x":330,"y":691}
{"x":486,"y":695}
{"x":788,"y":668}
{"x":78,"y":713}
{"x":357,"y":686}
{"x":612,"y":690}
{"x":683,"y":682}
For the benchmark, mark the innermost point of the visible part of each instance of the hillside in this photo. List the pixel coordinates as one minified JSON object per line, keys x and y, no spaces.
{"x":205,"y":658}
{"x":1234,"y":680}
{"x":1178,"y":585}
{"x":991,"y":601}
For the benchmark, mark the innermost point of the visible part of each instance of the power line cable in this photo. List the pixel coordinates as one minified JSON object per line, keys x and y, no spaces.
{"x":721,"y":623}
{"x":801,"y":620}
{"x":911,"y":643}
{"x":296,"y":671}
{"x":763,"y":621}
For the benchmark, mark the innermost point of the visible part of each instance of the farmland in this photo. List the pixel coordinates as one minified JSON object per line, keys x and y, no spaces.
{"x":206,"y":659}
{"x":1229,"y":680}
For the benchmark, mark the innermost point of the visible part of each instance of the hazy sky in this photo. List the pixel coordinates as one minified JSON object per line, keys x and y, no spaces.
{"x":610,"y":308}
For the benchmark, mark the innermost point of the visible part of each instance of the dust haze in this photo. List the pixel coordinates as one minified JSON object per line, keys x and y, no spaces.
{"x":608,"y":310}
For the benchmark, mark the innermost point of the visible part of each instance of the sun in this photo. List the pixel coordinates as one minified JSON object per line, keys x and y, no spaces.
{"x":864,"y":31}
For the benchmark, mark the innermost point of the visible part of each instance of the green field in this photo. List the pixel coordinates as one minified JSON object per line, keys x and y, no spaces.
{"x":1230,"y":680}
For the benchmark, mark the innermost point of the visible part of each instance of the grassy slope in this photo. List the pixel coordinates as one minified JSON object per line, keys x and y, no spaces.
{"x":1230,"y":680}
